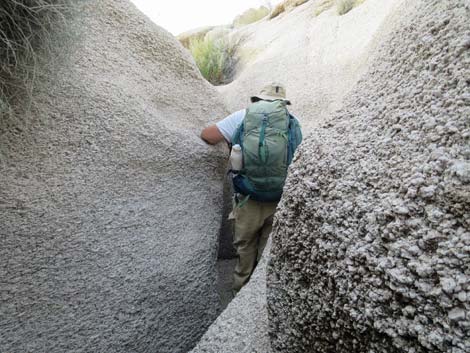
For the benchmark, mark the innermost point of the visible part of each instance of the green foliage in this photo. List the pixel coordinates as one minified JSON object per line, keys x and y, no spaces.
{"x":25,"y":31}
{"x":215,"y":58}
{"x":251,"y":16}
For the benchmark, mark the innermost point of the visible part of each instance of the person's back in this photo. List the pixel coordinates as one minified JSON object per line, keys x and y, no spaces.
{"x":268,"y":136}
{"x":264,"y":137}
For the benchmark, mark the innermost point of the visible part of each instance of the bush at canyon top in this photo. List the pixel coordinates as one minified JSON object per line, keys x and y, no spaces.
{"x":371,"y":242}
{"x":110,"y":204}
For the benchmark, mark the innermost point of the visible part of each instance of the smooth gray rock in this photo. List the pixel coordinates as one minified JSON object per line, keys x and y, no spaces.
{"x":243,"y":325}
{"x":371,"y":241}
{"x":110,"y":204}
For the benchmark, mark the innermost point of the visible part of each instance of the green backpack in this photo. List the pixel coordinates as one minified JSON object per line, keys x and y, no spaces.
{"x":268,"y":136}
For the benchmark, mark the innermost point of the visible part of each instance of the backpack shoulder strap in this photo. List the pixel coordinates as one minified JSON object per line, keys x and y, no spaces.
{"x":237,"y":138}
{"x":295,"y":137}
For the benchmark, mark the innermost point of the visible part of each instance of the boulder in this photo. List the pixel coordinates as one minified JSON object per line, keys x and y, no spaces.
{"x":371,"y":240}
{"x":110,"y":203}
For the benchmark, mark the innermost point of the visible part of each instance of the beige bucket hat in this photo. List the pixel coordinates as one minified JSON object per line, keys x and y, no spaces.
{"x":271,"y":92}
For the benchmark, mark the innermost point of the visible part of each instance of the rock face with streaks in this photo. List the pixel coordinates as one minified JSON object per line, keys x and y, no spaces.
{"x":110,"y":204}
{"x":372,"y":239}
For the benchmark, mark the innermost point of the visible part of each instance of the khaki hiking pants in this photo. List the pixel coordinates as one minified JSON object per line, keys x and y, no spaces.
{"x":253,"y":224}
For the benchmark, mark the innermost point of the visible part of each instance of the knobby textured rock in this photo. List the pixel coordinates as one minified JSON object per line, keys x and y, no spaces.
{"x":110,"y":204}
{"x":372,"y":239}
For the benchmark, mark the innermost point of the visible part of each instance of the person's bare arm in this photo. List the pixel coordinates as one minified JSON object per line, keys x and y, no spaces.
{"x":212,"y":135}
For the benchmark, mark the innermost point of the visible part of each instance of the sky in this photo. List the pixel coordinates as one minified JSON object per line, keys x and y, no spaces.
{"x":178,"y":16}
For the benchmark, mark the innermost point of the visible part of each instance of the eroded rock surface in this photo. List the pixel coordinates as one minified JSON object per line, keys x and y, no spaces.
{"x":372,"y":240}
{"x":110,"y":204}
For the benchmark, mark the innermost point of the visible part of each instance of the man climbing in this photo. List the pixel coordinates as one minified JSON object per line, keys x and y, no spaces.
{"x":268,"y":136}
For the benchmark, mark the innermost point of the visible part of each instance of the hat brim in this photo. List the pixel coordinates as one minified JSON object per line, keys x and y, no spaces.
{"x":268,"y":98}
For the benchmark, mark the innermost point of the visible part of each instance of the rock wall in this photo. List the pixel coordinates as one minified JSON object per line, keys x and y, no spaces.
{"x":371,"y":243}
{"x":110,"y":204}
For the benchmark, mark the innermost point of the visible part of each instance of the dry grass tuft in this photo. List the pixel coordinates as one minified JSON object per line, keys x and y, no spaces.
{"x":26,"y":28}
{"x":187,"y":37}
{"x":250,"y":16}
{"x":323,"y":6}
{"x":286,"y":5}
{"x":342,"y":6}
{"x":280,"y":8}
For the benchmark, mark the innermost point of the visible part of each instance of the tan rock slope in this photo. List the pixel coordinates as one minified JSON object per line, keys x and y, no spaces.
{"x":318,"y":58}
{"x":110,"y":204}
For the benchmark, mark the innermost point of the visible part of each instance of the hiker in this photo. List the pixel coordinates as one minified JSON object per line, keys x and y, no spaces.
{"x":268,"y":136}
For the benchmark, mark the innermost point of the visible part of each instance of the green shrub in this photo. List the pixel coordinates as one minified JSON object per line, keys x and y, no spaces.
{"x":215,"y":58}
{"x":251,"y":16}
{"x":25,"y":31}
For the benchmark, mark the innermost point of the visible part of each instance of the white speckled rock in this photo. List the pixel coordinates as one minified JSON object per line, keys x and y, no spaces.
{"x":110,"y":204}
{"x":371,"y":243}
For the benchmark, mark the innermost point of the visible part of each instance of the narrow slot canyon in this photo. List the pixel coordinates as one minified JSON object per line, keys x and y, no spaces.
{"x":114,"y":230}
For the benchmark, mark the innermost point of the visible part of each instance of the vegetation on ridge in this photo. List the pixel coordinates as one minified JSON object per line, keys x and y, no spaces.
{"x":215,"y":55}
{"x":187,"y":37}
{"x":342,"y":6}
{"x":283,"y":6}
{"x":250,"y":16}
{"x":215,"y":58}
